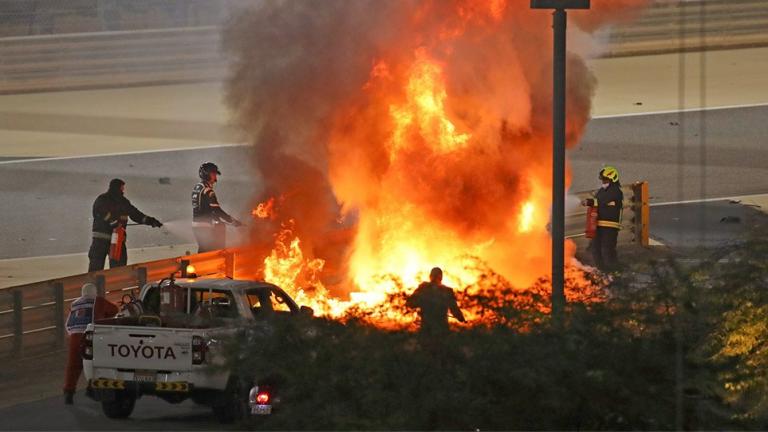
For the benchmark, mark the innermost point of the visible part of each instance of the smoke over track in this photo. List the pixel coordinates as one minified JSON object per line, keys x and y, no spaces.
{"x":400,"y":135}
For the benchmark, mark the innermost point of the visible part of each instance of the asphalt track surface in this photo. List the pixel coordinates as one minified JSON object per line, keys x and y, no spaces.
{"x":46,"y":203}
{"x":150,"y":414}
{"x":46,"y":211}
{"x":733,"y":162}
{"x":705,"y":225}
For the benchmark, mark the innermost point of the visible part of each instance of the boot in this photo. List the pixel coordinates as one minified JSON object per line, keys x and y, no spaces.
{"x":69,"y":397}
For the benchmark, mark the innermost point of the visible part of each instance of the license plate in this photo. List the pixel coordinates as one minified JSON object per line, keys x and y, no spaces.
{"x":261,"y":409}
{"x":145,"y":376}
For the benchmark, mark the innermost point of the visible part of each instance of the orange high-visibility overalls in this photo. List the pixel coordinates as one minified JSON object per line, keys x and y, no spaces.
{"x":82,"y":312}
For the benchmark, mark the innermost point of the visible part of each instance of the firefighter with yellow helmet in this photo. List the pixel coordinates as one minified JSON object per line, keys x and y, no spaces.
{"x":609,"y":201}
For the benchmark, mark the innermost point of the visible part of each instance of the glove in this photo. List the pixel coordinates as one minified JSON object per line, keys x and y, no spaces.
{"x":154,"y":222}
{"x":236,"y":222}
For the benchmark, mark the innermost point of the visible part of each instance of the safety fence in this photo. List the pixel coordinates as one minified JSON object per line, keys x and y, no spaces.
{"x":32,"y":316}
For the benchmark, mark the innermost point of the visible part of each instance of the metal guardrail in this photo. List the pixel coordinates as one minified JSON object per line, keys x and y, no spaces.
{"x":635,"y":222}
{"x":32,"y":316}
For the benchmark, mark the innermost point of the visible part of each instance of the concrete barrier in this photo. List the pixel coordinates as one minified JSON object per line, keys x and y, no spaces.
{"x":100,"y":59}
{"x":36,"y":17}
{"x":692,"y":25}
{"x":110,"y":59}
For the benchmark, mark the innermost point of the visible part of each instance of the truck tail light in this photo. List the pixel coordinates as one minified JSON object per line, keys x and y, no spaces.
{"x":86,"y":346}
{"x":262,"y":398}
{"x":259,"y":396}
{"x":198,"y":350}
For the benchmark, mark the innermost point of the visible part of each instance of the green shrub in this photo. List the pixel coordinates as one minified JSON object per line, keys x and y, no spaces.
{"x":668,"y":346}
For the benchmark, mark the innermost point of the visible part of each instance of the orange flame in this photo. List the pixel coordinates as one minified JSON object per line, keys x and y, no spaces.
{"x":399,"y":234}
{"x":288,"y":268}
{"x":527,"y":214}
{"x":435,"y":144}
{"x":398,"y":241}
{"x":265,"y":210}
{"x":424,"y":109}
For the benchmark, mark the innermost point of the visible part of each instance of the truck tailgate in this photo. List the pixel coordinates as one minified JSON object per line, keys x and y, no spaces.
{"x":147,"y":348}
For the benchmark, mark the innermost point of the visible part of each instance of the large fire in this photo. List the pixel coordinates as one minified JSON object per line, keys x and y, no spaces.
{"x":400,"y":136}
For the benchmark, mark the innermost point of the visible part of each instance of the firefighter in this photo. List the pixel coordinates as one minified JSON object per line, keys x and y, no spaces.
{"x":208,"y":218}
{"x":88,"y":308}
{"x":111,"y":211}
{"x":609,"y":201}
{"x":434,"y":300}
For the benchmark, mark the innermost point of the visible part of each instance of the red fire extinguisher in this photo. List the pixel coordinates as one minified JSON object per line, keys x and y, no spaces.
{"x":173,"y":299}
{"x":591,"y":222}
{"x":116,"y":245}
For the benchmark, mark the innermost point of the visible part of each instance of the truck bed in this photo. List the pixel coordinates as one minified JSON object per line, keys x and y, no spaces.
{"x":182,"y":322}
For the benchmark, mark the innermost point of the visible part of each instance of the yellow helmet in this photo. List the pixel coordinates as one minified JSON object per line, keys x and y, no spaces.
{"x":610,"y":173}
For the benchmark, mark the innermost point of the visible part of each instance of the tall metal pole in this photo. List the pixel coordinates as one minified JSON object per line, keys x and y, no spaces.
{"x":559,"y":24}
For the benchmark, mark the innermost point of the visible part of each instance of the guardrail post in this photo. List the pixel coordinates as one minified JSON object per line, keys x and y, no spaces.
{"x":18,"y":319}
{"x":183,"y":264}
{"x":58,"y":312}
{"x":229,"y":264}
{"x":141,"y":277}
{"x":646,"y":215}
{"x":641,"y":212}
{"x":101,"y":283}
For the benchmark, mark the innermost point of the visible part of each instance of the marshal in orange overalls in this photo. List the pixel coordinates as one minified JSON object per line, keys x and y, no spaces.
{"x":83,"y":311}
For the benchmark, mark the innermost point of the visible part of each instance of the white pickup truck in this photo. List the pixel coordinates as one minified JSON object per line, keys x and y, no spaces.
{"x":168,"y":347}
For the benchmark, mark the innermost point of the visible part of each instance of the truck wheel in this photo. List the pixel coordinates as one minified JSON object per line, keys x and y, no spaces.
{"x":119,"y":408}
{"x":232,"y":403}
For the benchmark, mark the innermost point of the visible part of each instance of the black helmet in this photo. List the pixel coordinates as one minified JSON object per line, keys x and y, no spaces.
{"x":115,"y":185}
{"x":206,"y":169}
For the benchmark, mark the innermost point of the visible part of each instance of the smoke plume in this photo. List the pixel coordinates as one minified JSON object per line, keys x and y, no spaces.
{"x":397,"y":135}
